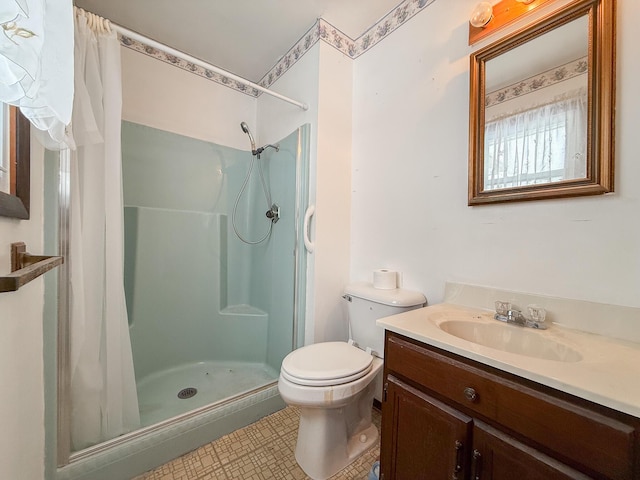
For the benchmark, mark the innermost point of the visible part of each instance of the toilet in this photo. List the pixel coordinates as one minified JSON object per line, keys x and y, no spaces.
{"x":334,"y":383}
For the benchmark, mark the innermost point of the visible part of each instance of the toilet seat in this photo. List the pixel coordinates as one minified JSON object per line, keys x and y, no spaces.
{"x":327,"y":363}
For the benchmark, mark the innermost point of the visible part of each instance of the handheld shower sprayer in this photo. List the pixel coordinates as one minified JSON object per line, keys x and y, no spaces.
{"x":273,"y":214}
{"x":254,"y":150}
{"x":245,"y":129}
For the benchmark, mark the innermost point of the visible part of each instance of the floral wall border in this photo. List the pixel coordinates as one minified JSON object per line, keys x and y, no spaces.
{"x":321,"y":30}
{"x":552,"y":76}
{"x":188,"y":66}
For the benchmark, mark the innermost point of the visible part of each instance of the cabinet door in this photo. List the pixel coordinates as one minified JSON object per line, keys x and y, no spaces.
{"x":422,"y":438}
{"x":497,"y":456}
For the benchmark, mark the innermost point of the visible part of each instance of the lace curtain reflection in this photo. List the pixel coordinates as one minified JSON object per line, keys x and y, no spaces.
{"x":36,"y":62}
{"x":543,"y":144}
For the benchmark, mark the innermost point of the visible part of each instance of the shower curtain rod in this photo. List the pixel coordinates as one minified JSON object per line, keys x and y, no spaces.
{"x":172,"y":51}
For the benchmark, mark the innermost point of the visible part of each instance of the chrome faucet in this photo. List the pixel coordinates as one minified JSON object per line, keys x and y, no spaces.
{"x":505,"y":313}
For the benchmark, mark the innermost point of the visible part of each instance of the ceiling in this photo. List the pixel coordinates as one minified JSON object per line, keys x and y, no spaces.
{"x":539,"y":54}
{"x":244,"y":37}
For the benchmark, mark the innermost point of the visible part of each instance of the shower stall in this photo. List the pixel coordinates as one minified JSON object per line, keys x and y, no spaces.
{"x":210,"y":316}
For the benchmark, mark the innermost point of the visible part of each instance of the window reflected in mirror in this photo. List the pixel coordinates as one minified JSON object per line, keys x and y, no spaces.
{"x":536,"y":110}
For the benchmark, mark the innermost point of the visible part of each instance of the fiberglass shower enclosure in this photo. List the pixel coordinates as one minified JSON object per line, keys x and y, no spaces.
{"x":211,"y":318}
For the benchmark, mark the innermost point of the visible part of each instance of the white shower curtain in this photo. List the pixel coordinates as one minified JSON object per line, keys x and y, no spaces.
{"x":104,"y":401}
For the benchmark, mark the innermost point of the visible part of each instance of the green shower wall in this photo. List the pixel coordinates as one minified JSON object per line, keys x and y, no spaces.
{"x":194,"y":291}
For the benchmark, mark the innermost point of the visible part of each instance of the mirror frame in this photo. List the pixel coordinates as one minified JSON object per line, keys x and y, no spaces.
{"x":601,"y":107}
{"x":17,"y":205}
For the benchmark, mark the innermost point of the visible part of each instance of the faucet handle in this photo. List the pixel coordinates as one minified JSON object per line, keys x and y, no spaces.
{"x":502,"y":308}
{"x":536,"y":313}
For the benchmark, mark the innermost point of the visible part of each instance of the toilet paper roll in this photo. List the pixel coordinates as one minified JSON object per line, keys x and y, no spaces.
{"x":385,"y":279}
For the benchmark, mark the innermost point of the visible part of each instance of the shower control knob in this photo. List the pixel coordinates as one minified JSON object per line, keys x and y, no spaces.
{"x":273,"y":213}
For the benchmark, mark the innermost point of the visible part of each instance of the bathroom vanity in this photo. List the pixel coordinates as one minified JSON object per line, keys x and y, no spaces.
{"x":454,"y":408}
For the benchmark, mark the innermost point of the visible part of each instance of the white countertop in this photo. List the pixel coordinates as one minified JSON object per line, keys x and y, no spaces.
{"x":607,"y":374}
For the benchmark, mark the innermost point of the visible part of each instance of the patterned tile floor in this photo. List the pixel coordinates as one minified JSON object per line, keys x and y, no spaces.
{"x":260,"y":451}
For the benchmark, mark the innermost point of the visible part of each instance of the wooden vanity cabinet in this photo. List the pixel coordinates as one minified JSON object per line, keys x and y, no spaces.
{"x":497,"y":455}
{"x":447,"y":417}
{"x":427,"y":435}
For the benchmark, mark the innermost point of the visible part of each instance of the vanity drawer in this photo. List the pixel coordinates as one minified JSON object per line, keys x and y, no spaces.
{"x":573,"y":433}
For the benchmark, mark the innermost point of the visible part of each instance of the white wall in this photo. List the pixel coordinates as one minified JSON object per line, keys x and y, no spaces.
{"x":276,"y":118}
{"x":409,"y":204}
{"x":21,"y":364}
{"x":162,"y":96}
{"x":333,"y":196}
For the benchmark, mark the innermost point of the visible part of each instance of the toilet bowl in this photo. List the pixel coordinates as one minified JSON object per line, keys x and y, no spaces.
{"x":335,"y":397}
{"x":334,"y":383}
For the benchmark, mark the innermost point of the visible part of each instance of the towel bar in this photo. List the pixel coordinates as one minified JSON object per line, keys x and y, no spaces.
{"x":26,"y":267}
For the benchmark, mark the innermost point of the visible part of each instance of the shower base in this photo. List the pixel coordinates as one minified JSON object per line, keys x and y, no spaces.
{"x":158,"y":393}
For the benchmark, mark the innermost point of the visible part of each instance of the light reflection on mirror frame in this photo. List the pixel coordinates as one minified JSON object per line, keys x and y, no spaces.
{"x":601,"y":96}
{"x":15,"y":202}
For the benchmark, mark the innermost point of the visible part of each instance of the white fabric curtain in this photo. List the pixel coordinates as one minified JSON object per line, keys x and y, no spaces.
{"x":104,"y":401}
{"x":542,"y":144}
{"x":36,"y":62}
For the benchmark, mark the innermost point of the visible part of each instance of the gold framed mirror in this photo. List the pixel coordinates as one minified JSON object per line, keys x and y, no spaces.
{"x":15,"y":163}
{"x":542,"y":104}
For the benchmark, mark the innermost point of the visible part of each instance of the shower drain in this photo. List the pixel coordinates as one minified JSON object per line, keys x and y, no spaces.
{"x":187,"y":392}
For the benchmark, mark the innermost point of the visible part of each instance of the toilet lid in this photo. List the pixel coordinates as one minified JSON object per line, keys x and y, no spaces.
{"x":327,"y":363}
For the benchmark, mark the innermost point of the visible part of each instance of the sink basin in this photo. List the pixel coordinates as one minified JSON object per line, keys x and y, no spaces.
{"x":512,"y":339}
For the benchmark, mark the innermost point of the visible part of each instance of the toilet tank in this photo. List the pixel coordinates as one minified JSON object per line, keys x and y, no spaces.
{"x":365,"y":304}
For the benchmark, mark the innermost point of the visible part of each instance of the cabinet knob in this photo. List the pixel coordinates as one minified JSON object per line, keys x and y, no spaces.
{"x":470,"y":394}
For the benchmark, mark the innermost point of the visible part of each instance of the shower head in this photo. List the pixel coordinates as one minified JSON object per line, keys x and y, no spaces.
{"x":245,"y":129}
